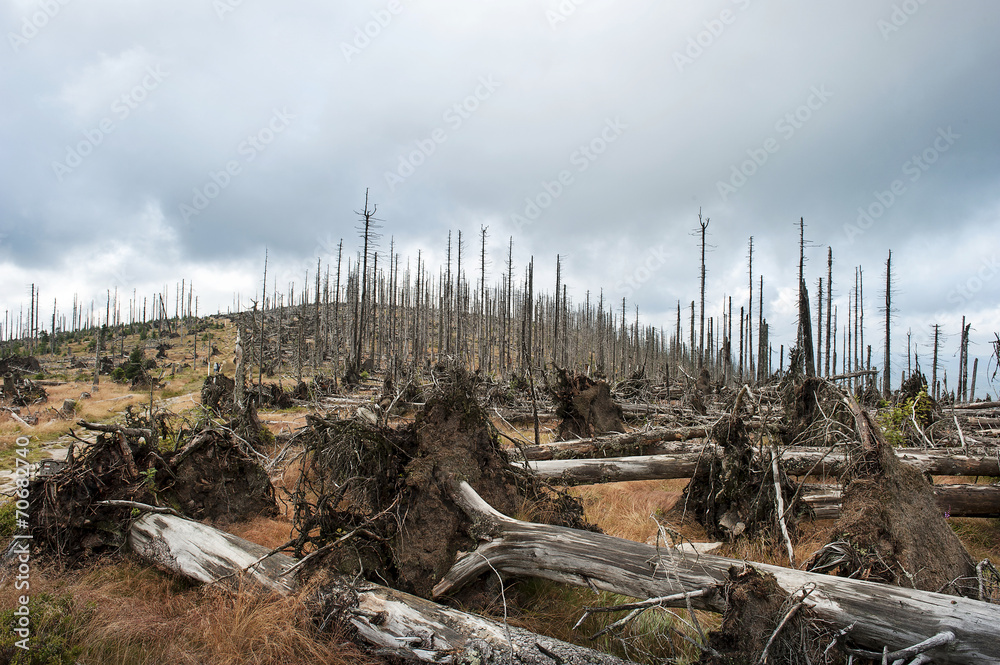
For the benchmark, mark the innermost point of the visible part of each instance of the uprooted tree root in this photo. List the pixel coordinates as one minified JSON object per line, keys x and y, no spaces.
{"x":585,"y":406}
{"x":814,"y":413}
{"x":762,"y":624}
{"x":213,"y":476}
{"x":732,"y":494}
{"x":891,"y":528}
{"x":374,"y":501}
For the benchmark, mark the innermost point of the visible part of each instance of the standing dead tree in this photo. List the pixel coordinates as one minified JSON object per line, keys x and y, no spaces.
{"x":702,"y":229}
{"x":369,"y":238}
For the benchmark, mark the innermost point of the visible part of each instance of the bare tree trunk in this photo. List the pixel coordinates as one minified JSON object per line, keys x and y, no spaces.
{"x":886,"y":371}
{"x":749,"y":363}
{"x":829,"y":305}
{"x":934,"y":366}
{"x":703,"y":227}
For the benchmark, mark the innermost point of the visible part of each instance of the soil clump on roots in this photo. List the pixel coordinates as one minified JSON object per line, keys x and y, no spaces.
{"x":377,"y":501}
{"x":732,"y":494}
{"x":756,"y":606}
{"x":213,"y":475}
{"x":891,"y":528}
{"x":585,"y":406}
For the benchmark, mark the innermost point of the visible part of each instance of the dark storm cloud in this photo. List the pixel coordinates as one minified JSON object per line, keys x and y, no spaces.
{"x":202,"y":133}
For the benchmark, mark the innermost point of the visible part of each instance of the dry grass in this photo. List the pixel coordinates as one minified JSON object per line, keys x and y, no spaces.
{"x":627,"y":510}
{"x":125,"y":612}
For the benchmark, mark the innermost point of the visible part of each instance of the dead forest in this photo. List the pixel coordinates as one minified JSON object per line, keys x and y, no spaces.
{"x":425,"y":441}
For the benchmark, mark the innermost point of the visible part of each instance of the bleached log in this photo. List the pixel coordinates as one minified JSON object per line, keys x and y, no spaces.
{"x":206,"y":554}
{"x":405,"y":625}
{"x":617,"y":469}
{"x":975,"y":406}
{"x":682,"y":462}
{"x":875,"y":615}
{"x":644,"y":440}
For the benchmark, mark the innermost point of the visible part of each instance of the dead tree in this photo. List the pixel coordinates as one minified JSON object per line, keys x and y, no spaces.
{"x":934,"y":366}
{"x":886,"y":371}
{"x":805,"y":340}
{"x":750,"y":364}
{"x":829,"y":305}
{"x":702,"y":228}
{"x":369,"y":237}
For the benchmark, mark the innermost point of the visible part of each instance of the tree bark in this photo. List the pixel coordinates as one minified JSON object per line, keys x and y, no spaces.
{"x":405,"y":625}
{"x":957,"y":500}
{"x":874,"y":615}
{"x":675,"y":459}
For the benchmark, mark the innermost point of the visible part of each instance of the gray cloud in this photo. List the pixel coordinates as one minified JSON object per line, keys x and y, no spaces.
{"x":174,"y":100}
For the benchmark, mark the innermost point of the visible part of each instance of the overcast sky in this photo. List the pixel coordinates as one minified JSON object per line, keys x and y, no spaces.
{"x":146,"y":142}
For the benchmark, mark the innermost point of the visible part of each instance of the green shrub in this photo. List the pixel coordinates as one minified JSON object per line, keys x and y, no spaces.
{"x":897,"y":422}
{"x":54,"y":630}
{"x":7,"y":515}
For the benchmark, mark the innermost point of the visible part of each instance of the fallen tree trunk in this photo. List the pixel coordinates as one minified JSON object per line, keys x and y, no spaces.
{"x":683,"y":459}
{"x":872,"y":615}
{"x":958,"y":500}
{"x":644,"y":441}
{"x":975,"y":406}
{"x":405,"y":625}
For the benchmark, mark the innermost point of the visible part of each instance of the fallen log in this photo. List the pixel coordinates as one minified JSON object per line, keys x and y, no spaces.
{"x":682,"y":461}
{"x":616,"y":469}
{"x":404,"y":625}
{"x":956,"y":500}
{"x":871,"y":615}
{"x":644,"y":441}
{"x":975,"y":406}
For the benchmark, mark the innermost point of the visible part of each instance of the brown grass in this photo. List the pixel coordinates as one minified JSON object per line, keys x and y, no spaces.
{"x":627,"y":510}
{"x":125,"y":612}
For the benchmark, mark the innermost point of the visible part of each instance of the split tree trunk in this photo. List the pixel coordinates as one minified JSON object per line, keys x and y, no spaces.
{"x":875,"y":615}
{"x":405,"y":625}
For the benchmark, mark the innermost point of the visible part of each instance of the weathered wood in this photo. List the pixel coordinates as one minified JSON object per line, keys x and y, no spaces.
{"x":204,"y":553}
{"x":131,"y":432}
{"x":404,"y":625}
{"x":617,"y":469}
{"x":975,"y":406}
{"x":643,"y":440}
{"x":682,"y":461}
{"x":956,"y":500}
{"x":874,"y":615}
